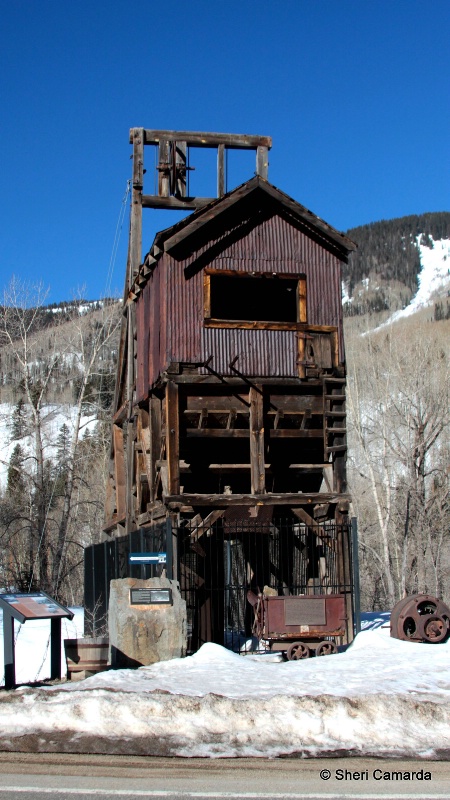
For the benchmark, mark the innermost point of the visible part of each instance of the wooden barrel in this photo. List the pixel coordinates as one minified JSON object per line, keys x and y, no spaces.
{"x":86,"y":655}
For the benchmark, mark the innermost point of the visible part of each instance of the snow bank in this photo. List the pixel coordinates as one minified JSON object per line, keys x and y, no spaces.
{"x":382,"y":697}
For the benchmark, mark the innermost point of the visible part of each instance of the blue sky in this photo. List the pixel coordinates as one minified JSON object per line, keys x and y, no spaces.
{"x":355,"y":94}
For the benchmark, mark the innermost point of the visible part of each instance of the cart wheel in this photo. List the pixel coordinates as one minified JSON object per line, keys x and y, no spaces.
{"x":326,"y":649}
{"x":297,"y":650}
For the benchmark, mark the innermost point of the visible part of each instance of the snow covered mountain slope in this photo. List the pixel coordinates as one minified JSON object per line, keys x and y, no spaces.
{"x":433,"y":282}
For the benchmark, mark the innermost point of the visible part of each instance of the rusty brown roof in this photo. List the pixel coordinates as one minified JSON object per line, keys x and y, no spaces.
{"x":196,"y":224}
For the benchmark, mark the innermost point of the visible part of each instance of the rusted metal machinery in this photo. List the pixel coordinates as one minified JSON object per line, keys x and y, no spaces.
{"x":300,"y":626}
{"x":420,"y":618}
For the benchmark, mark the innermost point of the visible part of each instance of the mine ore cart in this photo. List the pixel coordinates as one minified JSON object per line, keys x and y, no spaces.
{"x":299,"y":626}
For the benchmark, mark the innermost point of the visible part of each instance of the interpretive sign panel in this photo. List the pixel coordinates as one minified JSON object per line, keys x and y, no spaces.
{"x":22,"y":607}
{"x":36,"y":605}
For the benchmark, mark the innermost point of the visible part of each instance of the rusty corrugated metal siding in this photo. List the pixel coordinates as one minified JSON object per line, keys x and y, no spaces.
{"x":275,"y":244}
{"x":263,"y":353}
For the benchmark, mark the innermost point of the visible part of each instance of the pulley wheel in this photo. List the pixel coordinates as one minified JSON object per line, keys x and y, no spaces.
{"x":420,"y":618}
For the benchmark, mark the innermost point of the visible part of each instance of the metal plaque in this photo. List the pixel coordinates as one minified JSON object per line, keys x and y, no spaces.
{"x":304,"y":611}
{"x":150,"y":597}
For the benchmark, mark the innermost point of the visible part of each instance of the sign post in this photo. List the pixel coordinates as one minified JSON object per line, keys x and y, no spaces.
{"x":22,"y":607}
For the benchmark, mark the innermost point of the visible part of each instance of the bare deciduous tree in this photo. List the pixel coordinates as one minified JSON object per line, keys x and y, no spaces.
{"x":51,"y":514}
{"x":398,"y":422}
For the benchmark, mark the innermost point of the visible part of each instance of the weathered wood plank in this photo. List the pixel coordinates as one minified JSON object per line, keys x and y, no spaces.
{"x":257,"y":470}
{"x":206,"y":295}
{"x":136,"y":204}
{"x":175,"y":203}
{"x":296,"y":433}
{"x":220,"y":170}
{"x":226,"y":500}
{"x":218,"y":433}
{"x":203,"y":139}
{"x":172,"y":437}
{"x":205,"y":525}
{"x":218,"y":403}
{"x":155,"y":441}
{"x":163,"y":171}
{"x":119,"y":470}
{"x":262,"y":161}
{"x":301,"y":289}
{"x":180,"y":158}
{"x":265,"y":325}
{"x":301,"y":357}
{"x":315,"y":527}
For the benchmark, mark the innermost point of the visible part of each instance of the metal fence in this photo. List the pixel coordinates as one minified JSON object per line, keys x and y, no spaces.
{"x":109,"y":560}
{"x":217,"y":566}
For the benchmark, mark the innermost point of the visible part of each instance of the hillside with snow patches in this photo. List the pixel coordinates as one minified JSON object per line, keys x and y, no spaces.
{"x":433,"y":280}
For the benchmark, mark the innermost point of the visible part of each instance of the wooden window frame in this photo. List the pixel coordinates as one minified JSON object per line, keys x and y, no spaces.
{"x":301,"y":308}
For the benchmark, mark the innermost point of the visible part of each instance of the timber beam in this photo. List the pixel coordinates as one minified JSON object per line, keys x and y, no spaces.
{"x":225,"y":500}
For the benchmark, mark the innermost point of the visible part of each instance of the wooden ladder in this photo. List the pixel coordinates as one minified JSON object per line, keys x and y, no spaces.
{"x":334,"y":416}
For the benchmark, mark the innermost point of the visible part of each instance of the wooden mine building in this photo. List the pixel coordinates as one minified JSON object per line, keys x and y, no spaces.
{"x":229,"y":427}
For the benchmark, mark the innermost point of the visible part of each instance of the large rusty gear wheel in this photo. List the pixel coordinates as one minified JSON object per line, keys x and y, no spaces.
{"x":433,"y":628}
{"x":420,"y":618}
{"x":297,"y":651}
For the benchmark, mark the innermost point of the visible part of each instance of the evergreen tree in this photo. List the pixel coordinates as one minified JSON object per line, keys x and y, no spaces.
{"x":19,"y":420}
{"x":15,"y":479}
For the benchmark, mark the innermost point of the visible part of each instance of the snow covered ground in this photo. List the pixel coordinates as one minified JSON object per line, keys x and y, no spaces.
{"x":382,"y":697}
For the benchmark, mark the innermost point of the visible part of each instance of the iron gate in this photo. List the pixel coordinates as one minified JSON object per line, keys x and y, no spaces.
{"x":219,"y":565}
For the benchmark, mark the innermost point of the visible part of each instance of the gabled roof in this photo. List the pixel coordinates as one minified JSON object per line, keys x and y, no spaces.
{"x":173,"y":238}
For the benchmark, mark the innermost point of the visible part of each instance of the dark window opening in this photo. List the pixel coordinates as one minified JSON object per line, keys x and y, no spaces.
{"x":259,"y":298}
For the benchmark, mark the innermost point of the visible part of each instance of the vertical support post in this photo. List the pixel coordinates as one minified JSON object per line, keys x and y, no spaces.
{"x":301,"y":291}
{"x":169,"y":549}
{"x":262,"y":162}
{"x":172,"y":437}
{"x":55,"y":648}
{"x":301,"y":354}
{"x":220,"y":170}
{"x":155,"y":441}
{"x":335,"y":348}
{"x":8,"y":648}
{"x":355,"y":565}
{"x":257,"y":455}
{"x":136,"y":204}
{"x":163,"y":167}
{"x":119,"y":467}
{"x":181,"y":174}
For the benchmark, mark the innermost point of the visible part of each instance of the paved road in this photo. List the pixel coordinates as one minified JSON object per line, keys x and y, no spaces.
{"x":66,"y":777}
